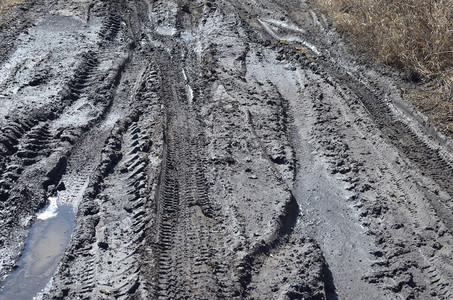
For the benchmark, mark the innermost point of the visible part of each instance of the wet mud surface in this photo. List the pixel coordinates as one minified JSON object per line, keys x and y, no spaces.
{"x":215,"y":150}
{"x":45,"y":245}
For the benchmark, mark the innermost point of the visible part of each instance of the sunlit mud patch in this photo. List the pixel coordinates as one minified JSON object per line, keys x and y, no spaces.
{"x":44,"y":248}
{"x":286,"y":32}
{"x":51,"y":211}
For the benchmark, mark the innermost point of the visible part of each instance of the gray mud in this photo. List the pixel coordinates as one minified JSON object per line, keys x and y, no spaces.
{"x":216,"y":150}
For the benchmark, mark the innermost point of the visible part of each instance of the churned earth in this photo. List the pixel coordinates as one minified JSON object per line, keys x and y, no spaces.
{"x":212,"y":149}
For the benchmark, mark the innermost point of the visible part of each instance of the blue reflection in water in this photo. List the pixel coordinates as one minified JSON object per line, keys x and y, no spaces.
{"x":44,"y":248}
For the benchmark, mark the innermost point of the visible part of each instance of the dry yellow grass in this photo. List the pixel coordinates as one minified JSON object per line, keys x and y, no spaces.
{"x":6,"y":11}
{"x":5,"y":5}
{"x":414,"y":35}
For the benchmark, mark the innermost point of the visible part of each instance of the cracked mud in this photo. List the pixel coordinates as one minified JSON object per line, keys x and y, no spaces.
{"x":212,"y":149}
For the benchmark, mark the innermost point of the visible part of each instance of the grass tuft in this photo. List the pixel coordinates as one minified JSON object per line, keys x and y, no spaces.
{"x":5,"y":5}
{"x":413,"y":35}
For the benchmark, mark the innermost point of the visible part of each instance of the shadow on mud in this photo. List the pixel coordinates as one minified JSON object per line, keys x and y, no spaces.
{"x":45,"y":245}
{"x":329,"y":283}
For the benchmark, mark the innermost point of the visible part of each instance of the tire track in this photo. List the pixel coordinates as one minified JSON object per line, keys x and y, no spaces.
{"x":41,"y":136}
{"x":30,"y":146}
{"x":132,"y":222}
{"x":27,"y":140}
{"x":429,"y":160}
{"x":122,"y":175}
{"x":400,"y":267}
{"x":35,"y":136}
{"x":184,"y":245}
{"x":184,"y":254}
{"x":179,"y":157}
{"x":112,"y":24}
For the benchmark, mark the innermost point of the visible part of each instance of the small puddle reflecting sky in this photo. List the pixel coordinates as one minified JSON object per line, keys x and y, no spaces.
{"x":45,"y":245}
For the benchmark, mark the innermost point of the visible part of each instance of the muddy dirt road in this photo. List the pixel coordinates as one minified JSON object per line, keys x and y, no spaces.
{"x":212,"y":149}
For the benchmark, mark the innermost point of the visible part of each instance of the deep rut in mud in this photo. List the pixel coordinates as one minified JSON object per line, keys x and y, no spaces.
{"x":217,"y":150}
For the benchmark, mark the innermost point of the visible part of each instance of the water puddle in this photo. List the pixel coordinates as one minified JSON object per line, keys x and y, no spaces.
{"x":45,"y":245}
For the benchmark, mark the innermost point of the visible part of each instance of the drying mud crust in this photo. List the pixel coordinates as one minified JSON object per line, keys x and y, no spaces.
{"x":217,"y":149}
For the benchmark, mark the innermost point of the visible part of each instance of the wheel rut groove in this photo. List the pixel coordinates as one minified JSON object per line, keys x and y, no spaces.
{"x":185,"y":214}
{"x":429,"y":160}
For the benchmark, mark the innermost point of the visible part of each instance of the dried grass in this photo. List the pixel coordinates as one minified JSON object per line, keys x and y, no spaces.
{"x":5,"y":5}
{"x":413,"y":35}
